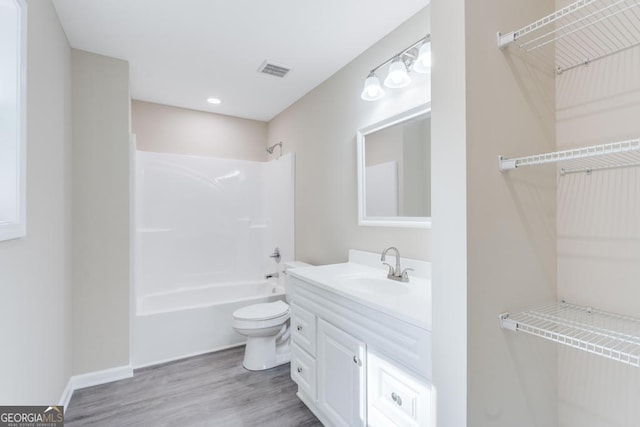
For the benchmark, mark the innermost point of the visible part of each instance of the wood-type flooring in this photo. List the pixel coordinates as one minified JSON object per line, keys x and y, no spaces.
{"x":210,"y":390}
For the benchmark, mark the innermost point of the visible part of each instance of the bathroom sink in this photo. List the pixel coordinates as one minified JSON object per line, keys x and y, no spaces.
{"x":374,"y":285}
{"x":364,"y":280}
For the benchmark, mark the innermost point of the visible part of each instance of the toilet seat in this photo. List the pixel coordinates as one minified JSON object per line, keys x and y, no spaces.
{"x":260,"y":316}
{"x":261,"y":312}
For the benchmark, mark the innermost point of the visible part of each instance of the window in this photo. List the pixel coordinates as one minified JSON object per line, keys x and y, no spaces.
{"x":12,"y":118}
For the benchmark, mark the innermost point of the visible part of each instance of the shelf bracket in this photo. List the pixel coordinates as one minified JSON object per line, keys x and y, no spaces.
{"x":505,"y":40}
{"x":507,"y":323}
{"x":505,"y":164}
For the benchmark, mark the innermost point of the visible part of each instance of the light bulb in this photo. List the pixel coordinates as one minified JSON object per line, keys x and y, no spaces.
{"x":423,"y":62}
{"x":398,"y":76}
{"x":372,"y":89}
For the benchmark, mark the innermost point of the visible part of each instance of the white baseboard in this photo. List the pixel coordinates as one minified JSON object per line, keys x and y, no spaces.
{"x":91,"y":379}
{"x":66,"y":395}
{"x":101,"y":377}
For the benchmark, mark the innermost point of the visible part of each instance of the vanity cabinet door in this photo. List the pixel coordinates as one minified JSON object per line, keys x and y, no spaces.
{"x":341,"y":365}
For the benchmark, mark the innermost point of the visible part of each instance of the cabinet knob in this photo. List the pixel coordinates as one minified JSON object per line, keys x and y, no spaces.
{"x":396,"y":398}
{"x":299,"y":328}
{"x":299,"y":369}
{"x":356,"y":360}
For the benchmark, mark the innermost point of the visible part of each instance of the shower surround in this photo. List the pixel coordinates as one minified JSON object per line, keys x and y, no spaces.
{"x":205,"y":228}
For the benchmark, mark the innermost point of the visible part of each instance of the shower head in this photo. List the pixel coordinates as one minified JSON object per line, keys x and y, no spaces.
{"x":273,"y":147}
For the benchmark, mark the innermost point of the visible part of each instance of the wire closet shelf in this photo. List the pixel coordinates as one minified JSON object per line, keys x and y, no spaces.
{"x":584,"y":31}
{"x":586,"y":159}
{"x":606,"y":334}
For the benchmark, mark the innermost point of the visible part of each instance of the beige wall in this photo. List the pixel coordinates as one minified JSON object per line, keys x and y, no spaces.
{"x":168,"y":129}
{"x":35,"y":271}
{"x":599,"y":236}
{"x":100,"y":111}
{"x":321,"y":129}
{"x":512,"y":379}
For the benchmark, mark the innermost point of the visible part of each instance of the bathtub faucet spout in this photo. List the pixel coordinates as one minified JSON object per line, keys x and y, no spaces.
{"x":272,"y":275}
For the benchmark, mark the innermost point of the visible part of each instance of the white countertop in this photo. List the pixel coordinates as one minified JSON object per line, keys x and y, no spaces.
{"x":409,"y":302}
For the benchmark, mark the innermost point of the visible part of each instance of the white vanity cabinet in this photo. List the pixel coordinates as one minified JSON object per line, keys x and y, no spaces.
{"x":341,"y":370}
{"x":334,"y":339}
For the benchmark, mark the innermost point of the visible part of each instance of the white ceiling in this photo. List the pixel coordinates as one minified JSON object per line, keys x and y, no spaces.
{"x":182,"y":51}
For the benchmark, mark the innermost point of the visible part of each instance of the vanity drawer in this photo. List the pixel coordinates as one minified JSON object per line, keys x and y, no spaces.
{"x":303,"y":329}
{"x":396,"y":397}
{"x":303,"y":371}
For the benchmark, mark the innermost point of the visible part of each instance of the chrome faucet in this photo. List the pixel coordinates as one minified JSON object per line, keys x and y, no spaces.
{"x":396,"y":273}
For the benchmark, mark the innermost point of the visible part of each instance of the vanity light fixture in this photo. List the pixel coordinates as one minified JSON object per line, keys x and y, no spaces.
{"x":398,"y":76}
{"x":423,"y":63}
{"x":372,"y":89}
{"x":416,"y":57}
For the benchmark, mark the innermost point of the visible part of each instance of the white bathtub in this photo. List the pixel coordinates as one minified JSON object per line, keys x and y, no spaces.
{"x":187,"y":322}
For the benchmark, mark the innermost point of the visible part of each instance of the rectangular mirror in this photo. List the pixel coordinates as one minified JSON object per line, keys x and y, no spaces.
{"x":13,"y":26}
{"x":394,"y":171}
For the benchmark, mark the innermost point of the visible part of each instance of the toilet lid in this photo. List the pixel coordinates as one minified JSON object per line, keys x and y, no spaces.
{"x":265,"y":311}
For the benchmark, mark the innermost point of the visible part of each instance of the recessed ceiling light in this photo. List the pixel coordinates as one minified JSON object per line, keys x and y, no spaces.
{"x":215,"y":101}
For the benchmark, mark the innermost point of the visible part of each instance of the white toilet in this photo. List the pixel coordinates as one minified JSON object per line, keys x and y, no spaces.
{"x":266,"y":327}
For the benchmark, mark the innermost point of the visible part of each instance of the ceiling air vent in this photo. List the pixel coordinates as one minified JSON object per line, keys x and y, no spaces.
{"x":273,"y":69}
